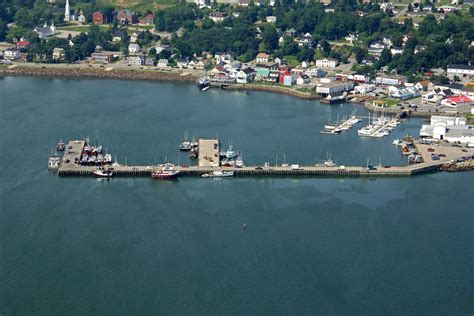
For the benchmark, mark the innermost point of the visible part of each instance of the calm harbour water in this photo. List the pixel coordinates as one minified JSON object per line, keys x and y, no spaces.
{"x":136,"y":246}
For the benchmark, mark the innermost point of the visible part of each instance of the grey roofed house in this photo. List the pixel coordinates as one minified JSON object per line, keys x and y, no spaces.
{"x":461,"y":66}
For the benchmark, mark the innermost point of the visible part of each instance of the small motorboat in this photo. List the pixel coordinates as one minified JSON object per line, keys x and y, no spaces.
{"x":101,"y":173}
{"x":60,"y":146}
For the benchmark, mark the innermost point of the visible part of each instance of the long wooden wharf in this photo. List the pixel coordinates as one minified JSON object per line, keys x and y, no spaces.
{"x":305,"y":171}
{"x":70,"y":167}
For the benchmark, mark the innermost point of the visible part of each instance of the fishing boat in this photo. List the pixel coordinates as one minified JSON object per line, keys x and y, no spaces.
{"x":203,"y":83}
{"x":194,"y":153}
{"x":185,"y":145}
{"x":166,"y":173}
{"x":328,"y":162}
{"x":54,"y":162}
{"x":101,"y":173}
{"x":219,"y":174}
{"x":107,"y":158}
{"x":60,"y":146}
{"x":239,"y":163}
{"x":230,"y":154}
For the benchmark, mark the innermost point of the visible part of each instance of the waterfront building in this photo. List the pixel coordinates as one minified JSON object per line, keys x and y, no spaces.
{"x":334,"y":87}
{"x":11,"y":54}
{"x":135,"y":60}
{"x":102,"y":57}
{"x":461,"y":71}
{"x":364,"y":88}
{"x":389,"y":80}
{"x":451,"y":129}
{"x":163,"y":63}
{"x":245,"y":75}
{"x":458,"y":101}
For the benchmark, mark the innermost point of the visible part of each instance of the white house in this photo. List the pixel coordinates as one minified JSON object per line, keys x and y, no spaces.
{"x":11,"y":54}
{"x":223,"y":58}
{"x":245,"y":75}
{"x":271,"y":19}
{"x":217,"y":17}
{"x":262,"y":58}
{"x":163,"y":63}
{"x":462,"y":71}
{"x":134,"y":37}
{"x":396,"y":50}
{"x":58,"y":53}
{"x":333,"y":87}
{"x":327,"y":63}
{"x":135,"y":60}
{"x":182,"y":63}
{"x":134,"y":48}
{"x":364,"y":88}
{"x":303,"y":79}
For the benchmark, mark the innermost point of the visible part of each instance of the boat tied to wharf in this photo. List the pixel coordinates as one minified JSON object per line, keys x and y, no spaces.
{"x":426,"y":157}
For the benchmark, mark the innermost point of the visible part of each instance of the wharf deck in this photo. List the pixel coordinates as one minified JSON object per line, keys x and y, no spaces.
{"x":73,"y":153}
{"x":307,"y":171}
{"x":209,"y":153}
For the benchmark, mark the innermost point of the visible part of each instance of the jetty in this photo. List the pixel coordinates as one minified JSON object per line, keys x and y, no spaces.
{"x":209,"y":161}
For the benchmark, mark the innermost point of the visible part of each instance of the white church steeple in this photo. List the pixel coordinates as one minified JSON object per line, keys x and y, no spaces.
{"x":67,"y":12}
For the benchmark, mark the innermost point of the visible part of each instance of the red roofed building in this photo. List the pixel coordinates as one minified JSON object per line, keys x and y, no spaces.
{"x":22,"y":43}
{"x":147,"y":19}
{"x":458,"y":101}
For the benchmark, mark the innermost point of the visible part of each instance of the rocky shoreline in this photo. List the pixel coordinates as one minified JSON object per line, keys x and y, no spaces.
{"x":96,"y":73}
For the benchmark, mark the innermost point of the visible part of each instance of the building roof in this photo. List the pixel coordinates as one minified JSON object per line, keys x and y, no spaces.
{"x":461,"y":66}
{"x":460,"y":99}
{"x":262,"y":55}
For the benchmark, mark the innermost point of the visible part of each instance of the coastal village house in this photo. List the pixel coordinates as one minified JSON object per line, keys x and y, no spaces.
{"x":99,"y":18}
{"x":223,"y":58}
{"x":134,"y":37}
{"x":262,"y":58}
{"x":135,"y":60}
{"x":147,"y":19}
{"x":102,"y":57}
{"x":163,"y":63}
{"x":326,"y":63}
{"x":11,"y":54}
{"x":217,"y":17}
{"x":245,"y":75}
{"x":126,"y":17}
{"x":58,"y":53}
{"x":134,"y":48}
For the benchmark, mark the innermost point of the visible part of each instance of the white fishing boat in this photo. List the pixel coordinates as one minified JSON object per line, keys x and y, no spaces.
{"x":328,"y":162}
{"x":101,"y":173}
{"x":219,"y":174}
{"x":54,"y":162}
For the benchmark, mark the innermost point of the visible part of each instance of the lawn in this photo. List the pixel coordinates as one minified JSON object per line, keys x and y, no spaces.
{"x":81,"y":28}
{"x":292,"y":60}
{"x":390,"y":102}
